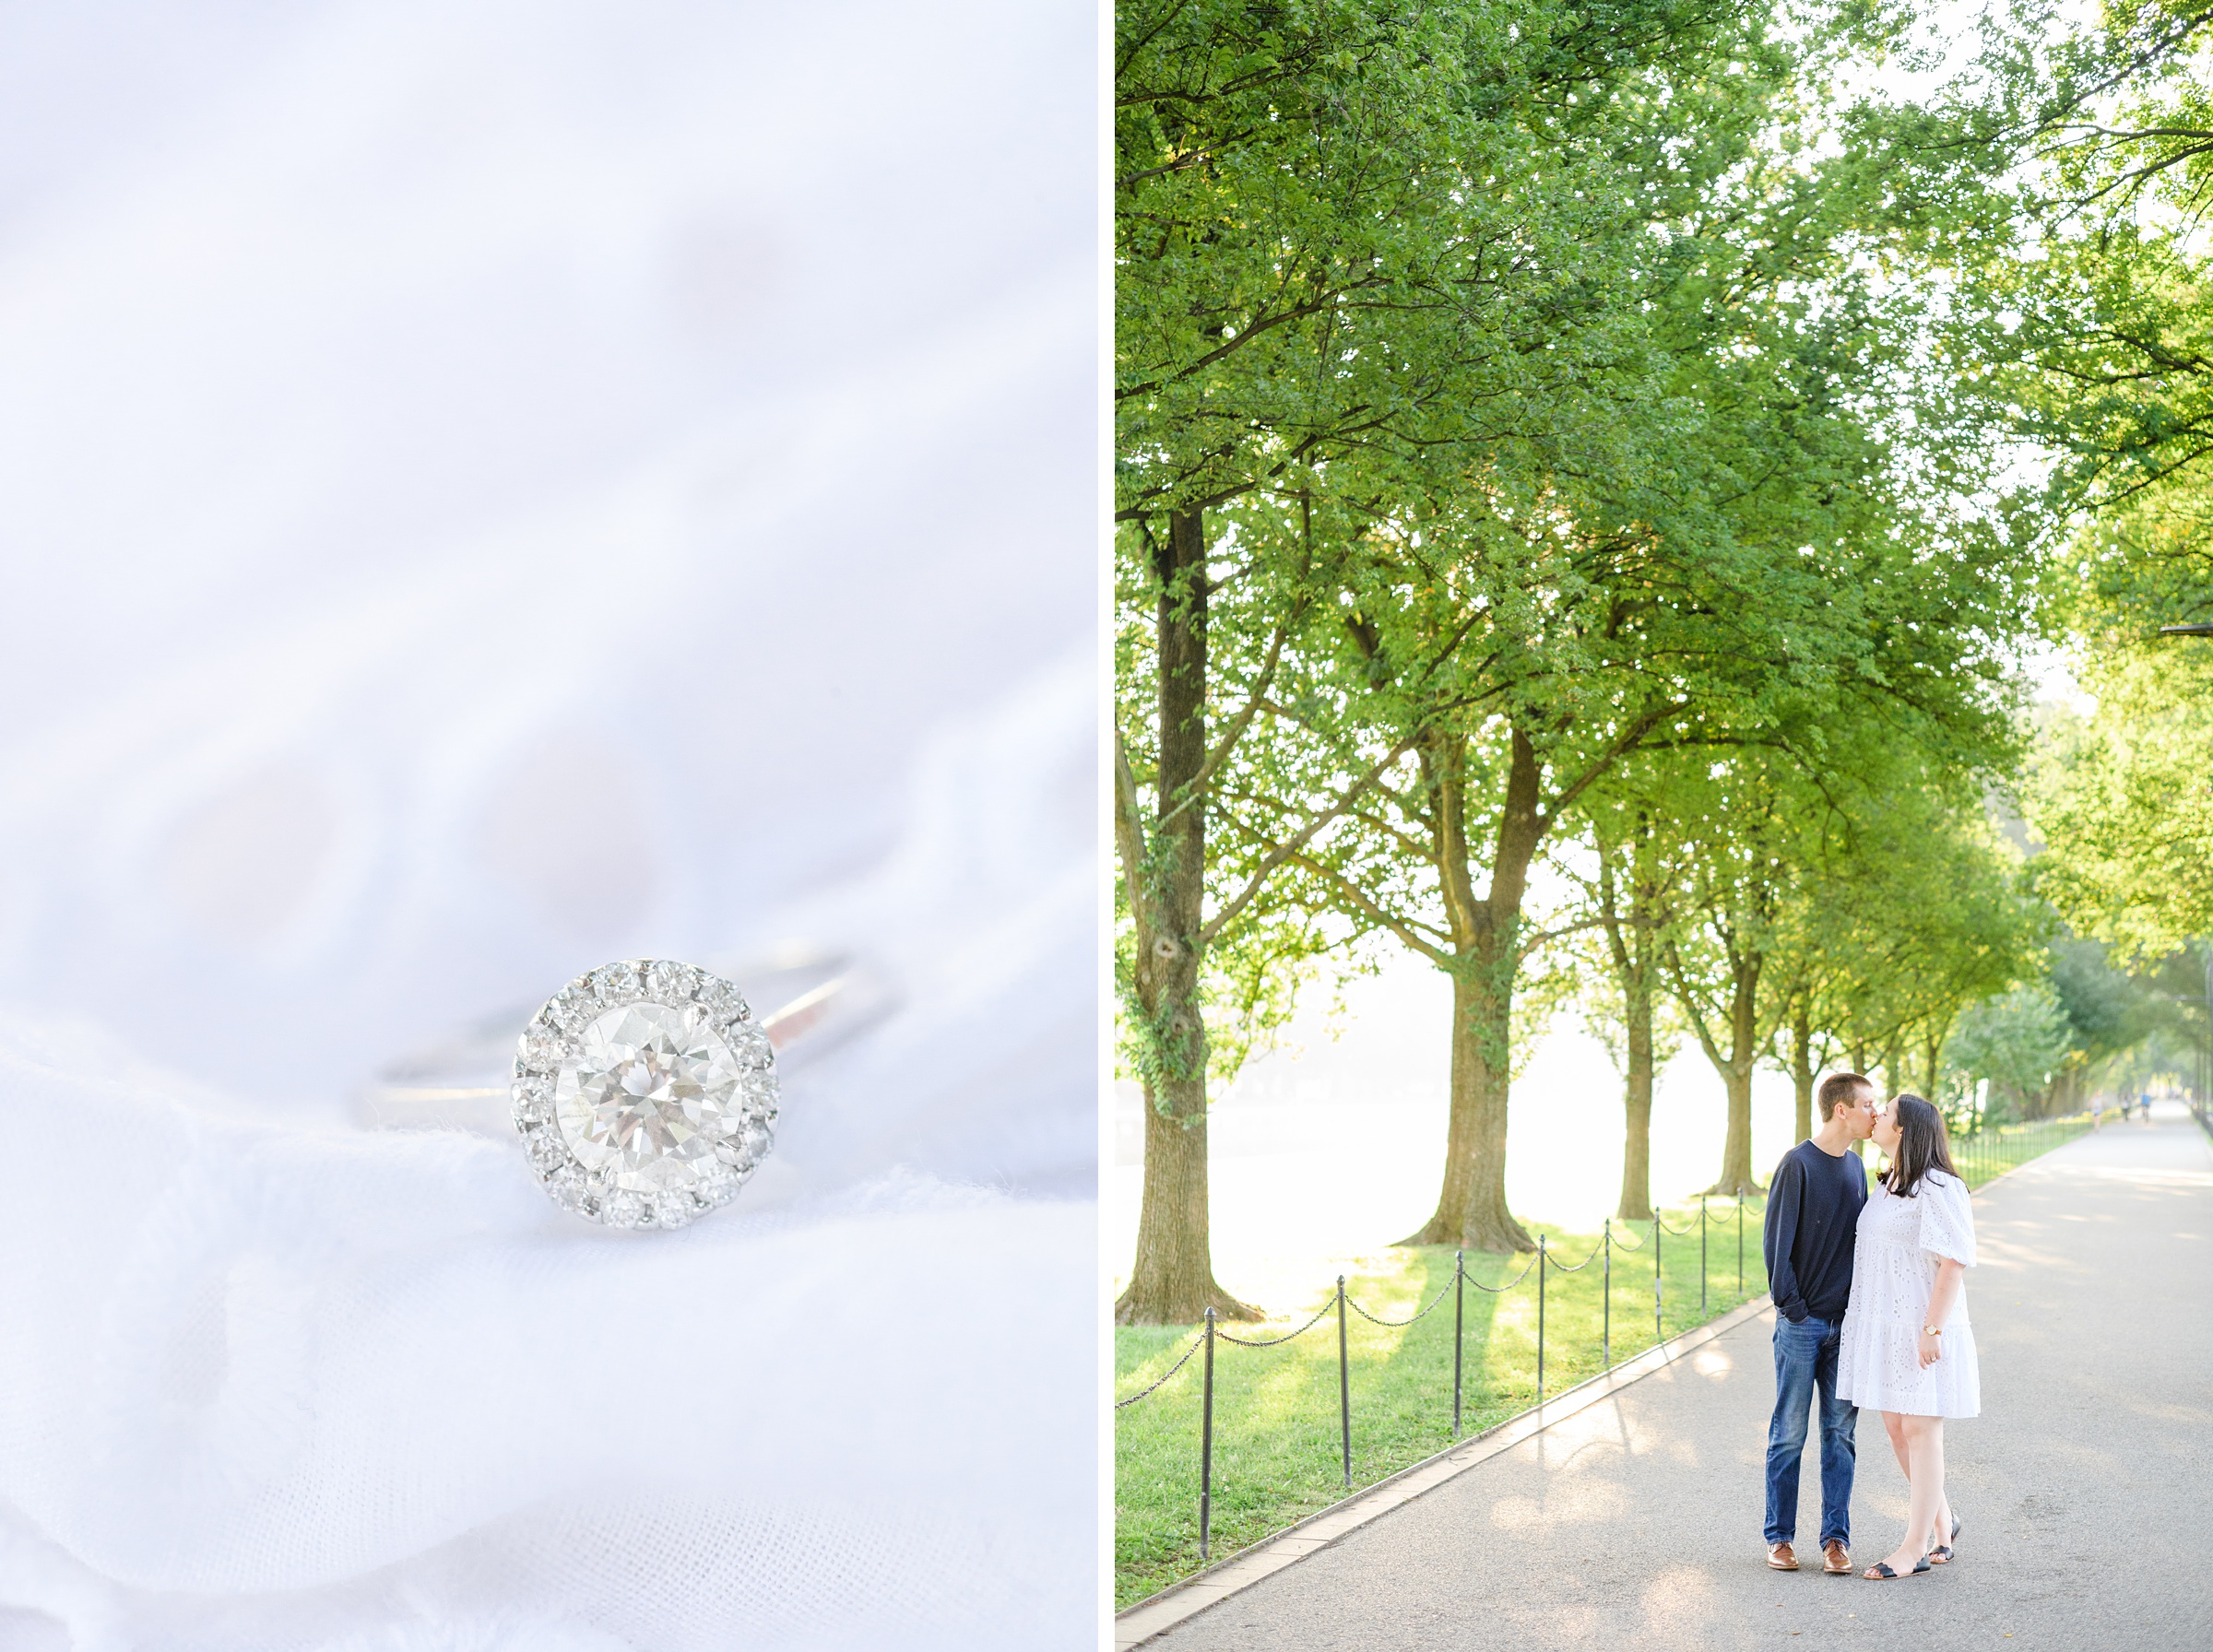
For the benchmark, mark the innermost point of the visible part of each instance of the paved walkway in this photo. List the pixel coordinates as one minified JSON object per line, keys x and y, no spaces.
{"x":2085,"y":1488}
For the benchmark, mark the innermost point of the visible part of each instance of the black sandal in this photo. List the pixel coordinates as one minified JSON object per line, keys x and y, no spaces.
{"x":1880,"y":1571}
{"x":1942,"y":1554}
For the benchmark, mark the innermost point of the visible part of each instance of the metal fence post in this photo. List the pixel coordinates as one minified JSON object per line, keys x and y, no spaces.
{"x":1658,"y":1321}
{"x":1459,"y":1292}
{"x":1344,"y":1387}
{"x":1740,"y":1245}
{"x":1540,"y":1320}
{"x":1206,"y":1442}
{"x":1606,"y":1319}
{"x":1701,"y":1256}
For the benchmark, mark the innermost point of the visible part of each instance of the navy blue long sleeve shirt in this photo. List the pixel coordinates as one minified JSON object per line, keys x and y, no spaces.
{"x":1813,"y":1212}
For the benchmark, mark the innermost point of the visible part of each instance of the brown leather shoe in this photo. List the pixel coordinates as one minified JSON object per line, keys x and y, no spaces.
{"x":1836,"y":1559}
{"x":1781,"y":1558}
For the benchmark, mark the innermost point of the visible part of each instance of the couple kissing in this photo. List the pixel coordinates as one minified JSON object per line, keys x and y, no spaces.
{"x":1870,"y":1310}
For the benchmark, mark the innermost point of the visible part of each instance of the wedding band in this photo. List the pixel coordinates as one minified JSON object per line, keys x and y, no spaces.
{"x":645,"y":1092}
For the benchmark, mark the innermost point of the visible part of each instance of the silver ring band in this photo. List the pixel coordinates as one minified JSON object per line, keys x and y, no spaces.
{"x":817,"y":1001}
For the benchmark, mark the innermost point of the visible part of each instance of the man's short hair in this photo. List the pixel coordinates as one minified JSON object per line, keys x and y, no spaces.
{"x":1841,"y":1089}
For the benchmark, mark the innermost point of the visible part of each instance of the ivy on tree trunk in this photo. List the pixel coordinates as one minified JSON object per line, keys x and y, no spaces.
{"x":1172,"y":1280}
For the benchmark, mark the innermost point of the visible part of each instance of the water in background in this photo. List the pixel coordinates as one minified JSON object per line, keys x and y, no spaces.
{"x":1329,"y":1148}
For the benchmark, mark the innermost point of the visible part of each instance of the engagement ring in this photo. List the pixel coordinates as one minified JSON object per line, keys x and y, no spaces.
{"x":644,"y":1092}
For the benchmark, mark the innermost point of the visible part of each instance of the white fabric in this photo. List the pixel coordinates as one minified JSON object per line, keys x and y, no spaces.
{"x":492,"y":489}
{"x":1895,"y":1253}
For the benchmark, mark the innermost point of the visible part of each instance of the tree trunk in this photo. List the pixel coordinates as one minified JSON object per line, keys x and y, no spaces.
{"x":1632,"y":945}
{"x":1636,"y":1103}
{"x":1802,"y":1072}
{"x":1736,"y":1180}
{"x":1471,"y":1207}
{"x":2063,"y":1095}
{"x":1172,"y":1279}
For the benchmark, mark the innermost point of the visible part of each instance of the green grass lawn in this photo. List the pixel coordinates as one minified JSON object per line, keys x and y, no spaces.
{"x":1277,"y":1440}
{"x":1277,"y":1452}
{"x":1994,"y":1152}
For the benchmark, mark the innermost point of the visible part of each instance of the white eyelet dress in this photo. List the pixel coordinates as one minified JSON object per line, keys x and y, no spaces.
{"x":1894,"y":1255}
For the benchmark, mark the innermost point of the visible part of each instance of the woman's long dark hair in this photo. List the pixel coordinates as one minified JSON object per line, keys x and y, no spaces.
{"x":1921,"y":1147}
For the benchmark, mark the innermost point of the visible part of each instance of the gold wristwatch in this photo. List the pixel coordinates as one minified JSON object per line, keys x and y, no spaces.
{"x":1930,"y":1331}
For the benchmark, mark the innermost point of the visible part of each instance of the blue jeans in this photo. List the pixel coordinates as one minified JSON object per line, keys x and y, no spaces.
{"x":1805,"y":1358}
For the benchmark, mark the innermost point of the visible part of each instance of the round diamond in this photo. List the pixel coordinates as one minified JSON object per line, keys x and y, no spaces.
{"x":533,"y":1101}
{"x":722,"y":1000}
{"x":647,"y":1097}
{"x":744,"y":1149}
{"x":617,"y":983}
{"x":568,"y":1187}
{"x":643,"y":1095}
{"x":541,"y":1045}
{"x":622,"y":1209}
{"x":751,"y":1047}
{"x":673,"y":1209}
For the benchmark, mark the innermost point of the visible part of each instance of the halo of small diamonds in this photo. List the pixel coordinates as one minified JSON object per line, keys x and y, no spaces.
{"x":645,"y":1094}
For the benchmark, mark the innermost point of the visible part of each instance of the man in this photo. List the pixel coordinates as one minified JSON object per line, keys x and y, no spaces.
{"x":1813,"y":1208}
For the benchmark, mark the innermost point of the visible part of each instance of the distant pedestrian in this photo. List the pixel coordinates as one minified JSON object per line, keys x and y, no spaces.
{"x":1812,"y":1208}
{"x":1908,"y":1349}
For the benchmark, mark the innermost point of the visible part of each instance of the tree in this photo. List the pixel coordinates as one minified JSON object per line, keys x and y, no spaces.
{"x":1508,"y":471}
{"x":2120,"y":801}
{"x":1631,"y":896}
{"x":1810,"y":970}
{"x":1932,"y":917}
{"x":1343,"y":232}
{"x":1861,"y":897}
{"x":1748,"y":853}
{"x":1250,"y":223}
{"x":2109,"y":1012}
{"x":2015,"y":1042}
{"x":2079,"y":1024}
{"x":2057,"y":186}
{"x":1166,"y":777}
{"x":1469,"y":779}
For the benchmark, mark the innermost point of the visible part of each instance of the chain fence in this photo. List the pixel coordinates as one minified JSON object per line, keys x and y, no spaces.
{"x":1340,"y":1305}
{"x":1985,"y":1151}
{"x":1980,"y":1154}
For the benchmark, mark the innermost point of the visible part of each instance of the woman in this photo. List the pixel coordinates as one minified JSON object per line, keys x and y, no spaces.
{"x":1907,"y":1349}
